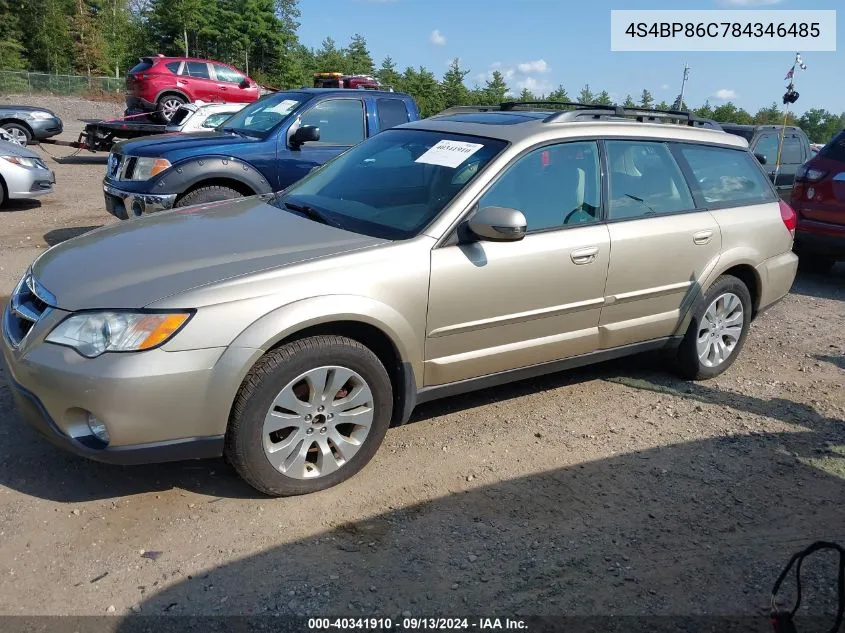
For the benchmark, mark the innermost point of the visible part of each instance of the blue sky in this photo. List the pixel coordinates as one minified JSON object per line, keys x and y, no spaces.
{"x":541,"y":43}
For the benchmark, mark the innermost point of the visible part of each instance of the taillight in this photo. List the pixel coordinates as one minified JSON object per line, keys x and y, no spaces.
{"x":790,"y":219}
{"x":809,"y":174}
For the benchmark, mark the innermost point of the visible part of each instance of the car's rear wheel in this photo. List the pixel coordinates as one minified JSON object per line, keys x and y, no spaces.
{"x":167,"y":106}
{"x":20,"y":135}
{"x":204,"y":195}
{"x":717,"y":331}
{"x":309,"y":415}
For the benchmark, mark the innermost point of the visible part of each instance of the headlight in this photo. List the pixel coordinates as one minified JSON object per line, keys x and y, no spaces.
{"x":93,"y":333}
{"x":145,"y":168}
{"x":25,"y":161}
{"x":41,"y":115}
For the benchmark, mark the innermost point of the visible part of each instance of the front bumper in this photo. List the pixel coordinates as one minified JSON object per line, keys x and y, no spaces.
{"x":127,"y":204}
{"x":157,"y":405}
{"x":24,"y":183}
{"x":45,"y":128}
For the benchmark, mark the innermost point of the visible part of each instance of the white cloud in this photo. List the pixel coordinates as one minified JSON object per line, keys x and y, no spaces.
{"x":496,"y":65}
{"x":664,"y":87}
{"x":437,"y":38}
{"x":536,"y":66}
{"x":724,"y":94}
{"x":748,"y":3}
{"x":537,"y":86}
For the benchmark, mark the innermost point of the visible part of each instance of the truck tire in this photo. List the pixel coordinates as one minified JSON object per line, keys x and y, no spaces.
{"x":309,"y":415}
{"x":204,"y":195}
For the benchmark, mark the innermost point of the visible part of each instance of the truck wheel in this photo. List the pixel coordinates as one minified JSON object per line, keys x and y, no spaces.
{"x":717,"y":330}
{"x":20,"y":135}
{"x":204,"y":195}
{"x":167,"y":106}
{"x":309,"y":415}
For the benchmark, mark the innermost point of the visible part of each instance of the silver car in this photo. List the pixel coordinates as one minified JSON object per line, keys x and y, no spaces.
{"x":289,"y":331}
{"x":23,"y":174}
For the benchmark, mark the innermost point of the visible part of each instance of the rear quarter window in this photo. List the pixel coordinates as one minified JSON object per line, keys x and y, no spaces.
{"x":141,"y":67}
{"x":723,"y":176}
{"x":391,"y":112}
{"x":835,"y":150}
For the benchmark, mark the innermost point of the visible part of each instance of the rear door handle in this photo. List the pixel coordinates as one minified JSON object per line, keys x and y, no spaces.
{"x":702,"y":237}
{"x":584,"y":255}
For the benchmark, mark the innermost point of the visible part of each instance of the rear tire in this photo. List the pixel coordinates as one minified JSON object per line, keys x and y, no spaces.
{"x":204,"y":195}
{"x":167,"y":106}
{"x":309,"y":415}
{"x":714,"y":339}
{"x":19,"y":133}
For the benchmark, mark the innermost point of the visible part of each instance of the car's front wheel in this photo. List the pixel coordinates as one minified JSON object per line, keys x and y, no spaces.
{"x":204,"y":195}
{"x":309,"y":415}
{"x":18,"y":133}
{"x":717,"y":330}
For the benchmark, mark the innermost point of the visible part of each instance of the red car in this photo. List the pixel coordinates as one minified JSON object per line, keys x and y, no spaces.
{"x":818,"y":197}
{"x":162,"y":84}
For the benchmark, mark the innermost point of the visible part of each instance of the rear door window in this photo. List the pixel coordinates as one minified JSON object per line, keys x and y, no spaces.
{"x":726,"y":176}
{"x":391,"y":112}
{"x":197,"y":69}
{"x":645,"y":180}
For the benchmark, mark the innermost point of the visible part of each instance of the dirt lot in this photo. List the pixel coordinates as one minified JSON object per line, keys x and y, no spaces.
{"x":612,"y":490}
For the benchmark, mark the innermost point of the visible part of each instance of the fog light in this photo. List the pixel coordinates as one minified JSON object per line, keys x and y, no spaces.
{"x":98,"y":428}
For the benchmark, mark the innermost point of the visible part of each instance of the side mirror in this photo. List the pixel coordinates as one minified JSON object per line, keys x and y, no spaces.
{"x":244,"y":83}
{"x":761,"y":157}
{"x":305,"y":134}
{"x":498,"y":224}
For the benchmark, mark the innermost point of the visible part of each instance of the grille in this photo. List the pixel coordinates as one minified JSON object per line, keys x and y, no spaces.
{"x":26,"y":306}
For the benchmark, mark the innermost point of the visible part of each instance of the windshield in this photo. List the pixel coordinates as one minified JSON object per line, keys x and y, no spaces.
{"x":394,"y":184}
{"x":262,"y":116}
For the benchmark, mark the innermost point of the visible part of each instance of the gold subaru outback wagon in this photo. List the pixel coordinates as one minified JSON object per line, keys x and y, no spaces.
{"x":289,"y":331}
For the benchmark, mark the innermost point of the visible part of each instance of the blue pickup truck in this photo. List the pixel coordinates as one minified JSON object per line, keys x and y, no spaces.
{"x":265,"y":147}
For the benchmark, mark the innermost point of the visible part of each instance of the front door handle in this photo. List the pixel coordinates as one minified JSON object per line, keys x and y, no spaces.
{"x":584,"y":255}
{"x":702,"y":237}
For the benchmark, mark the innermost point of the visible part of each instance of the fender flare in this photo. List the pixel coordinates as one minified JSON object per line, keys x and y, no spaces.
{"x":177,"y":91}
{"x":287,"y":320}
{"x":185,"y":175}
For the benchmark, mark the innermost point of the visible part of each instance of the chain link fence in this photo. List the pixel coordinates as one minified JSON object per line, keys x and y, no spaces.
{"x":17,"y":82}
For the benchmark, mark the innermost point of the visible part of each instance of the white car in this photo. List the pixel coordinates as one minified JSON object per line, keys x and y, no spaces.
{"x":23,"y":174}
{"x":200,"y":117}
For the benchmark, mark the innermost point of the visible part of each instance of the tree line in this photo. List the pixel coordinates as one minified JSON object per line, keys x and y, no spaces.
{"x":106,"y":37}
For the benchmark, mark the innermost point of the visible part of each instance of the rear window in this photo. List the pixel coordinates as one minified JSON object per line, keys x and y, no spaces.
{"x":391,"y":112}
{"x":725,"y":175}
{"x":141,"y":66}
{"x":835,"y":150}
{"x":793,"y":151}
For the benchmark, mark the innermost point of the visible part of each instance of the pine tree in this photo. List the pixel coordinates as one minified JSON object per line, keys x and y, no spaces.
{"x":495,"y":89}
{"x":358,"y":59}
{"x":388,"y":75}
{"x":603,"y":98}
{"x":11,"y":48}
{"x":88,"y":45}
{"x":453,"y":88}
{"x":559,"y":94}
{"x":629,"y":102}
{"x":328,"y":58}
{"x":646,"y":99}
{"x":586,"y":95}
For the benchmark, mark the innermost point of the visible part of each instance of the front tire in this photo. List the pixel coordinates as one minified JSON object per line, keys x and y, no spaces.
{"x":309,"y":415}
{"x":20,"y":135}
{"x":204,"y":195}
{"x":717,"y":331}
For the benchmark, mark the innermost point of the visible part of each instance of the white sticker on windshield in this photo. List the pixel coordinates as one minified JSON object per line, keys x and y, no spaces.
{"x":449,"y":153}
{"x":283,"y":107}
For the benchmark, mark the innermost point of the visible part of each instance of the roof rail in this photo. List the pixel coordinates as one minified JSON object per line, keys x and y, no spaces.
{"x":468,"y":108}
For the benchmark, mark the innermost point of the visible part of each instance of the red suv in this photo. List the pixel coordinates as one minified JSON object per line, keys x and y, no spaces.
{"x":162,"y":84}
{"x":818,"y":197}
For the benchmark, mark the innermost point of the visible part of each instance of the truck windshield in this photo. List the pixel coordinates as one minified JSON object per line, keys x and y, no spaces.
{"x":262,"y":116}
{"x":394,"y":184}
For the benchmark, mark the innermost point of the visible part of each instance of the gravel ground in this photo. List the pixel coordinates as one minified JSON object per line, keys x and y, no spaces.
{"x":616,"y":489}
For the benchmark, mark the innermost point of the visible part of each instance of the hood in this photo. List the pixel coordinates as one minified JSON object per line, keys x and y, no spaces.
{"x":13,"y":149}
{"x":165,"y":145}
{"x":136,"y":262}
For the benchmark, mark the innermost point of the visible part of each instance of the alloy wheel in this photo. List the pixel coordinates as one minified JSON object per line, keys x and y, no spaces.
{"x":720,"y":330}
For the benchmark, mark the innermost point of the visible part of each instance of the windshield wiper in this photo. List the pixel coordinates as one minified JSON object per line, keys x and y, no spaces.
{"x":234,"y":130}
{"x":310,"y":212}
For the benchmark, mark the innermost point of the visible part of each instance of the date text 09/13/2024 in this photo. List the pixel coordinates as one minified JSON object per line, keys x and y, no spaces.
{"x":414,"y":624}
